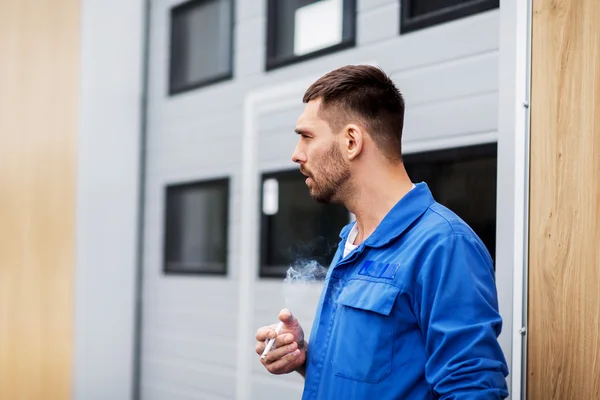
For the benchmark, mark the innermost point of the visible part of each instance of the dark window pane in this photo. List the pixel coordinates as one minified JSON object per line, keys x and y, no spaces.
{"x":419,"y":14}
{"x":201,"y":33}
{"x":464,"y":180}
{"x":301,"y":229}
{"x":302,"y":29}
{"x":421,"y":7}
{"x":196,"y":227}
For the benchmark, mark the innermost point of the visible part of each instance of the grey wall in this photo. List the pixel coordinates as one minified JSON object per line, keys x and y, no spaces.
{"x":107,"y":198}
{"x":449,"y":76}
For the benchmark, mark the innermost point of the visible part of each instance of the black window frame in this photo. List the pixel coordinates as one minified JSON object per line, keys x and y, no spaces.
{"x":225,"y":183}
{"x":225,"y":76}
{"x":447,"y":14}
{"x":273,"y":62}
{"x":269,"y":273}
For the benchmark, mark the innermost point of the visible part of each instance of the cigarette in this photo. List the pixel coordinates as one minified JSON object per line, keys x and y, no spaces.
{"x":271,"y":341}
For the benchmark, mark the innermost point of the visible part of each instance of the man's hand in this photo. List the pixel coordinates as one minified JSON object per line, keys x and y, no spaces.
{"x":288,"y":353}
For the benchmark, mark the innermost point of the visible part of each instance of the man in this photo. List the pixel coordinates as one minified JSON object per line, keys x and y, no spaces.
{"x":409,"y":307}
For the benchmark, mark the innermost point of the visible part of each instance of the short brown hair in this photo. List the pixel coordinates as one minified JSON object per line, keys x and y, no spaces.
{"x":367,"y":94}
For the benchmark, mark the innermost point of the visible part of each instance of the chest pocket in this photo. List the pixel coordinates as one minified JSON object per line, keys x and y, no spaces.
{"x":364,"y":336}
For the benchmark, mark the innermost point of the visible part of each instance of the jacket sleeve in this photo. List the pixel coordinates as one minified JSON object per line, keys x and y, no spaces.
{"x":458,"y":312}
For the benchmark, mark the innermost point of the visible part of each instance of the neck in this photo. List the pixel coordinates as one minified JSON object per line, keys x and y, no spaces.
{"x":375,"y":194}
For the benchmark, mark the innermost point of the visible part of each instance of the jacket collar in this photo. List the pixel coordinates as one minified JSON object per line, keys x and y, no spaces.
{"x":399,"y":218}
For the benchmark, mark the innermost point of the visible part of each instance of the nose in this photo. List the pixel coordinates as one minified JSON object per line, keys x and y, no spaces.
{"x":298,"y":156}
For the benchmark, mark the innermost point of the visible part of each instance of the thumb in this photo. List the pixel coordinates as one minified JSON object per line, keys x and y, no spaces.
{"x":287,"y":318}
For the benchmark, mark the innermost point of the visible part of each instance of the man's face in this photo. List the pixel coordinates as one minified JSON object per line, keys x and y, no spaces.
{"x":319,"y":155}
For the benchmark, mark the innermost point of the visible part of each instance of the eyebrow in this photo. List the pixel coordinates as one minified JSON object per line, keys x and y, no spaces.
{"x":300,"y":131}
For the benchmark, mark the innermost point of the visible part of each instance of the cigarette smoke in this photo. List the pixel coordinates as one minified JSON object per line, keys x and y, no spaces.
{"x":304,"y":272}
{"x":302,"y":286}
{"x":304,"y":279}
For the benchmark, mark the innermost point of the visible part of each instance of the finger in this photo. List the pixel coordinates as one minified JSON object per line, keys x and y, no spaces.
{"x":281,"y":352}
{"x":284,"y":339}
{"x":263,"y":333}
{"x":260,"y":347}
{"x":267,"y":332}
{"x":280,"y":364}
{"x":286,"y":317}
{"x":281,"y":340}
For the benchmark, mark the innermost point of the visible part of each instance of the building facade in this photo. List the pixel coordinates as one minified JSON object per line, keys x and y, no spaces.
{"x":149,"y":207}
{"x":226,"y":210}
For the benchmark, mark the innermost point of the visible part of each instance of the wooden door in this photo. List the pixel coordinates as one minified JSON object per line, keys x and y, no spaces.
{"x":39,"y":84}
{"x":564,"y":252}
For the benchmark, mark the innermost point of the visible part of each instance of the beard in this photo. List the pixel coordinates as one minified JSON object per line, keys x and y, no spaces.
{"x":333,"y":175}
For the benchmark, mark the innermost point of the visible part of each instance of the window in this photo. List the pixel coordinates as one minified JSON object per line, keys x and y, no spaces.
{"x":464,"y":180}
{"x":294,"y":227}
{"x":419,"y":14}
{"x":201,"y":44}
{"x":298,"y":30}
{"x":196,"y":227}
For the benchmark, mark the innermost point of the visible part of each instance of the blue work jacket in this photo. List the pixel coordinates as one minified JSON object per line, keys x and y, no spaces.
{"x":411,"y":313}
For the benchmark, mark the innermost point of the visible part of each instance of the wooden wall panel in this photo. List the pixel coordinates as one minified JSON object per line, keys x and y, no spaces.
{"x":564,"y":255}
{"x":39,"y":84}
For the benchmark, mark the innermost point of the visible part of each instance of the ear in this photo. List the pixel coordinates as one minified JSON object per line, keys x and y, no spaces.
{"x":354,"y":140}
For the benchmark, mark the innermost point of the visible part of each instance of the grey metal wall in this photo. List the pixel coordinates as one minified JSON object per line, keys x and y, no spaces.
{"x":107,"y":198}
{"x":449,"y":76}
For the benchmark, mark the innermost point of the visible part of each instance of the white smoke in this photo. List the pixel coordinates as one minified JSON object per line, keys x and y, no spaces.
{"x":302,"y":286}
